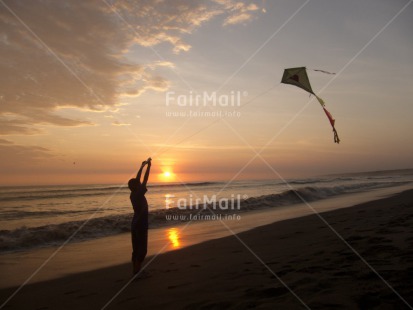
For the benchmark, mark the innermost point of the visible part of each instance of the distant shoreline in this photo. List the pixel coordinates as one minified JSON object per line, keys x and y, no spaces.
{"x":404,"y":171}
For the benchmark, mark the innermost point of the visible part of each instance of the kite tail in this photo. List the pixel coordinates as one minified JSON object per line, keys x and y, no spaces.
{"x":323,"y":71}
{"x":332,"y":122}
{"x":336,"y":138}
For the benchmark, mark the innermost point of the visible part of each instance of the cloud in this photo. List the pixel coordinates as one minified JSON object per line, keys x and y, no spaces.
{"x":134,"y":86}
{"x":57,"y":54}
{"x":161,"y":63}
{"x":166,"y":21}
{"x":14,"y":156}
{"x":240,"y":12}
{"x":73,"y":60}
{"x":8,"y":127}
{"x":117,"y":123}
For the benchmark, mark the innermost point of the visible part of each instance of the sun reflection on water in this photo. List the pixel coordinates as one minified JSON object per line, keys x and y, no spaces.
{"x":173,"y":236}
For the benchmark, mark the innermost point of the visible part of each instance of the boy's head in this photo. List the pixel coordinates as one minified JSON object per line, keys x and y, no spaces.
{"x":133,"y":184}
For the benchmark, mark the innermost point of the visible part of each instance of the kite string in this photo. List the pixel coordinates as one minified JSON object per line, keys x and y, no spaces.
{"x":157,"y":154}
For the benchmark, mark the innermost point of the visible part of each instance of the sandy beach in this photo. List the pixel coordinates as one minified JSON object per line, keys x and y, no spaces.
{"x":293,"y":264}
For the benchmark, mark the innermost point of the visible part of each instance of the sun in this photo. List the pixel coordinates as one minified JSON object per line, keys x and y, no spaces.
{"x":166,"y":176}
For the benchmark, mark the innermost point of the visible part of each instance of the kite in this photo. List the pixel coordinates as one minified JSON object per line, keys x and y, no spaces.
{"x":298,"y":77}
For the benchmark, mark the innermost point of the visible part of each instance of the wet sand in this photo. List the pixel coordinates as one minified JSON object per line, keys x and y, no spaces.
{"x":292,"y":264}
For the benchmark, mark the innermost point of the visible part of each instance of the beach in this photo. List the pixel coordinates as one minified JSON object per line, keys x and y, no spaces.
{"x":357,"y":257}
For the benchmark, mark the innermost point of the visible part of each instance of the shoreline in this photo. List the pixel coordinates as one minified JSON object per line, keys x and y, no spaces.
{"x":31,"y":238}
{"x":302,"y":251}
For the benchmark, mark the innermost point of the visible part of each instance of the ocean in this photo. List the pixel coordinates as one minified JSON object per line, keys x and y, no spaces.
{"x":41,"y":216}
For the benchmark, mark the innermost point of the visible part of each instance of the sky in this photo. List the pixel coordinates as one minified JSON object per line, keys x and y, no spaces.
{"x":90,"y":89}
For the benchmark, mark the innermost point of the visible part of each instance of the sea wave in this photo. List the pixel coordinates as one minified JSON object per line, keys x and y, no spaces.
{"x":27,"y":194}
{"x":29,"y":237}
{"x":18,"y":214}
